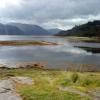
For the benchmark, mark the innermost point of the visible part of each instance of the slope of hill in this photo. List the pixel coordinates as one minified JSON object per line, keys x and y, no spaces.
{"x":10,"y":30}
{"x":29,"y":29}
{"x":54,"y":31}
{"x":22,"y":29}
{"x":2,"y":29}
{"x":89,"y":29}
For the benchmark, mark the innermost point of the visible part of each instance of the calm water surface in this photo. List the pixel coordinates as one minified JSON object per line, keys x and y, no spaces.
{"x":54,"y":55}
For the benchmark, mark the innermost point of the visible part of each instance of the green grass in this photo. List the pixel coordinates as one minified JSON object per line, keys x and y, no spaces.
{"x":29,"y":93}
{"x":47,"y":82}
{"x":84,"y":39}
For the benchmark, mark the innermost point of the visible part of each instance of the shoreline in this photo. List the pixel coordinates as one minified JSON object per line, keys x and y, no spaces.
{"x":43,"y":65}
{"x":82,"y":39}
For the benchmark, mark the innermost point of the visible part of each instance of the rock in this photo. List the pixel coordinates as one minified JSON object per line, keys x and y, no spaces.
{"x":95,"y":94}
{"x":23,"y":80}
{"x":9,"y":96}
{"x":7,"y":91}
{"x":36,"y":65}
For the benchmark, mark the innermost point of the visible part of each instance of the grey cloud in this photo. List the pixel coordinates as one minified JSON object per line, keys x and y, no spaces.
{"x":53,"y":13}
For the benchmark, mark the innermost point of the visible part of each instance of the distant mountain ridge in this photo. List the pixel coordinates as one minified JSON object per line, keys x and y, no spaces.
{"x":86,"y":30}
{"x":22,"y":29}
{"x":9,"y":30}
{"x":54,"y":31}
{"x":30,"y":29}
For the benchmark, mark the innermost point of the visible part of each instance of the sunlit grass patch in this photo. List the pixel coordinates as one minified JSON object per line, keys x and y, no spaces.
{"x":31,"y":93}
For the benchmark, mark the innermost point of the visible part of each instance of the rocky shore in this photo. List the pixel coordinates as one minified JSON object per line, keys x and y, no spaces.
{"x":44,"y":65}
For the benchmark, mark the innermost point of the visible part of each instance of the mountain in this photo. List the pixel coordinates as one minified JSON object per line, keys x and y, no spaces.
{"x":89,"y":29}
{"x":29,"y":29}
{"x":22,"y":29}
{"x":54,"y":31}
{"x":2,"y":29}
{"x":9,"y":30}
{"x":12,"y":30}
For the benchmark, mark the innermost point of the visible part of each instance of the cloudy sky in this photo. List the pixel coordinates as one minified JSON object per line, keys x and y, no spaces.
{"x":62,"y":14}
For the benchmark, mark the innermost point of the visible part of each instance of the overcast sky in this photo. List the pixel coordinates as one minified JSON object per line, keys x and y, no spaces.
{"x":62,"y":14}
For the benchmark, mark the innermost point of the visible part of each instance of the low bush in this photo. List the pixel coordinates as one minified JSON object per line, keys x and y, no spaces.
{"x":74,"y":77}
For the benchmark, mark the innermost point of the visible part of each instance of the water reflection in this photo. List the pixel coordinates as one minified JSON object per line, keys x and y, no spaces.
{"x":53,"y":55}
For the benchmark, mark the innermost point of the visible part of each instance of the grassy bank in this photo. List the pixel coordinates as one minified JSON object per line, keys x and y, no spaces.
{"x":83,"y":39}
{"x":47,"y":83}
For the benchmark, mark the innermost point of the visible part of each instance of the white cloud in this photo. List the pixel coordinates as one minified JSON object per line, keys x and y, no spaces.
{"x":6,"y":3}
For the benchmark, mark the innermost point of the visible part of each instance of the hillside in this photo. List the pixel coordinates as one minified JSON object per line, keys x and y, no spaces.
{"x":9,"y":30}
{"x":54,"y":31}
{"x":30,"y":29}
{"x":22,"y":29}
{"x":90,"y":29}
